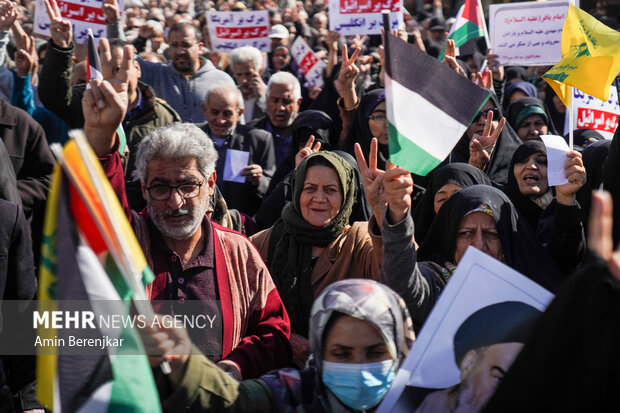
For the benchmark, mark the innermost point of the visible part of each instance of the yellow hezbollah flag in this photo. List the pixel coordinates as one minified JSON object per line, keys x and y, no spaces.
{"x":590,"y":57}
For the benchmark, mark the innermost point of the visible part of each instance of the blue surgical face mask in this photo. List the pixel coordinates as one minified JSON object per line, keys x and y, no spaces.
{"x":359,"y":386}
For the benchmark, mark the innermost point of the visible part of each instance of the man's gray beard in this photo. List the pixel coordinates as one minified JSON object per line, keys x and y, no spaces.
{"x":180,"y":232}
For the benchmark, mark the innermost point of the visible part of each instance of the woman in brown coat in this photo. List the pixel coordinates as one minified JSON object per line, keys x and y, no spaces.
{"x":313,"y":245}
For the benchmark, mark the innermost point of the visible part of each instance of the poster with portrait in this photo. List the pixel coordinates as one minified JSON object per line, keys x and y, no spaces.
{"x":83,"y":15}
{"x":230,"y":30}
{"x":527,"y":33}
{"x":474,"y":332}
{"x":363,"y":16}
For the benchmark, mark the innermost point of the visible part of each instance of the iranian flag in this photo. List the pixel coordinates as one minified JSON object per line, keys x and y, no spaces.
{"x":469,"y":25}
{"x":429,"y":106}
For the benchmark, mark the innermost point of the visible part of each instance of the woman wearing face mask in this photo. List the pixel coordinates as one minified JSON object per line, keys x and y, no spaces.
{"x":360,"y":334}
{"x":556,"y":220}
{"x":479,"y":216}
{"x":444,"y":183}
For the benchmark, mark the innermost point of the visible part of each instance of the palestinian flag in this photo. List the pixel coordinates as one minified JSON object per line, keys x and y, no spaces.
{"x":429,"y":106}
{"x":90,"y":254}
{"x":93,"y":71}
{"x":469,"y":25}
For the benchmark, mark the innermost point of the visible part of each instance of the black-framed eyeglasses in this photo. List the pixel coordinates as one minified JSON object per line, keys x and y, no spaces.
{"x":484,"y":114}
{"x":380,"y":118}
{"x":161,"y":192}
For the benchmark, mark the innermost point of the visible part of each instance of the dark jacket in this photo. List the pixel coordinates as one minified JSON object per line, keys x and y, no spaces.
{"x":246,"y":197}
{"x":17,"y":282}
{"x":32,"y":163}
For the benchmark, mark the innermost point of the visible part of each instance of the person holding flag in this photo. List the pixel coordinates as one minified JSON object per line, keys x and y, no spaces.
{"x":192,"y":257}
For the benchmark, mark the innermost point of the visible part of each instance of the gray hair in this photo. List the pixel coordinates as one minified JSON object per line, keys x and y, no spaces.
{"x":177,"y":141}
{"x":285,"y":79}
{"x":246,"y":54}
{"x":223,"y":88}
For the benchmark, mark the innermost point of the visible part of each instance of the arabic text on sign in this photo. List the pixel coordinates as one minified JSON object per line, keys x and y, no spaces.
{"x":81,"y":13}
{"x":242,"y":32}
{"x":597,"y":120}
{"x":368,"y":6}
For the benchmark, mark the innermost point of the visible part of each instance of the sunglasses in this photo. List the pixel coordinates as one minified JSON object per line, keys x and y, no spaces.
{"x":484,"y":114}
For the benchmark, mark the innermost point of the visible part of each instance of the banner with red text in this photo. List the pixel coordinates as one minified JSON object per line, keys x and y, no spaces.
{"x":230,"y":30}
{"x":83,"y":15}
{"x":311,"y":66}
{"x":592,"y":113}
{"x":363,"y":16}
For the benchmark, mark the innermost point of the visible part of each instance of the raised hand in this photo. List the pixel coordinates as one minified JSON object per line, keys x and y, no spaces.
{"x":450,"y":58}
{"x":25,"y":59}
{"x":373,"y":180}
{"x":111,"y":10}
{"x":398,"y":185}
{"x":495,"y":66}
{"x":576,"y":174}
{"x":485,"y":81}
{"x":308,"y":149}
{"x":600,"y":229}
{"x":332,"y":40}
{"x":104,"y":105}
{"x":8,"y":15}
{"x":60,"y":29}
{"x":481,"y":147}
{"x":347,"y":75}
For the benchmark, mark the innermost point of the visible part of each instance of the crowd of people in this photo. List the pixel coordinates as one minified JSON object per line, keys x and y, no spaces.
{"x":327,"y":258}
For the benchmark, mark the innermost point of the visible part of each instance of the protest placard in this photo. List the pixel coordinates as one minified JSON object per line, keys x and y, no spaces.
{"x":485,"y":304}
{"x":528,"y":33}
{"x":83,"y":15}
{"x":311,"y":66}
{"x":363,"y":16}
{"x":230,"y":30}
{"x":592,"y":113}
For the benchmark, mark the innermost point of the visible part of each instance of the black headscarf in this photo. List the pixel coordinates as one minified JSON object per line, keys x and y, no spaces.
{"x":556,"y":117}
{"x":507,"y":143}
{"x":516,"y":107}
{"x":360,"y":130}
{"x":584,"y":137}
{"x":292,"y":239}
{"x":594,"y":156}
{"x":526,"y":207}
{"x":461,"y":174}
{"x":521,"y":249}
{"x":308,"y":122}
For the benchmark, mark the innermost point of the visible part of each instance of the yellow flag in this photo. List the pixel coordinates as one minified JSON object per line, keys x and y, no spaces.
{"x":590,"y":57}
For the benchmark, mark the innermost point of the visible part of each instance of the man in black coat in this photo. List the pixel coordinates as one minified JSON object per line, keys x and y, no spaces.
{"x":223,"y":107}
{"x":32,"y":162}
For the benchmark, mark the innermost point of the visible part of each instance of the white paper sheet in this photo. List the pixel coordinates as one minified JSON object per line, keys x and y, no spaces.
{"x":235,"y":162}
{"x":557,"y":148}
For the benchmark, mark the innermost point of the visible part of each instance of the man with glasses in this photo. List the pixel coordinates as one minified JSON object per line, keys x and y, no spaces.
{"x":223,"y":108}
{"x":195,"y":261}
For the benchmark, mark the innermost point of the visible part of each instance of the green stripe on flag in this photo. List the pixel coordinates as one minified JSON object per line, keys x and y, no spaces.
{"x":462,"y":35}
{"x":408,"y":155}
{"x":467,"y":31}
{"x":122,"y":139}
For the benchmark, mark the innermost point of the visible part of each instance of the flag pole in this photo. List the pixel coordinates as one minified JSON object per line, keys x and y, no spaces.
{"x":570,"y":117}
{"x":570,"y":108}
{"x":387,"y":30}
